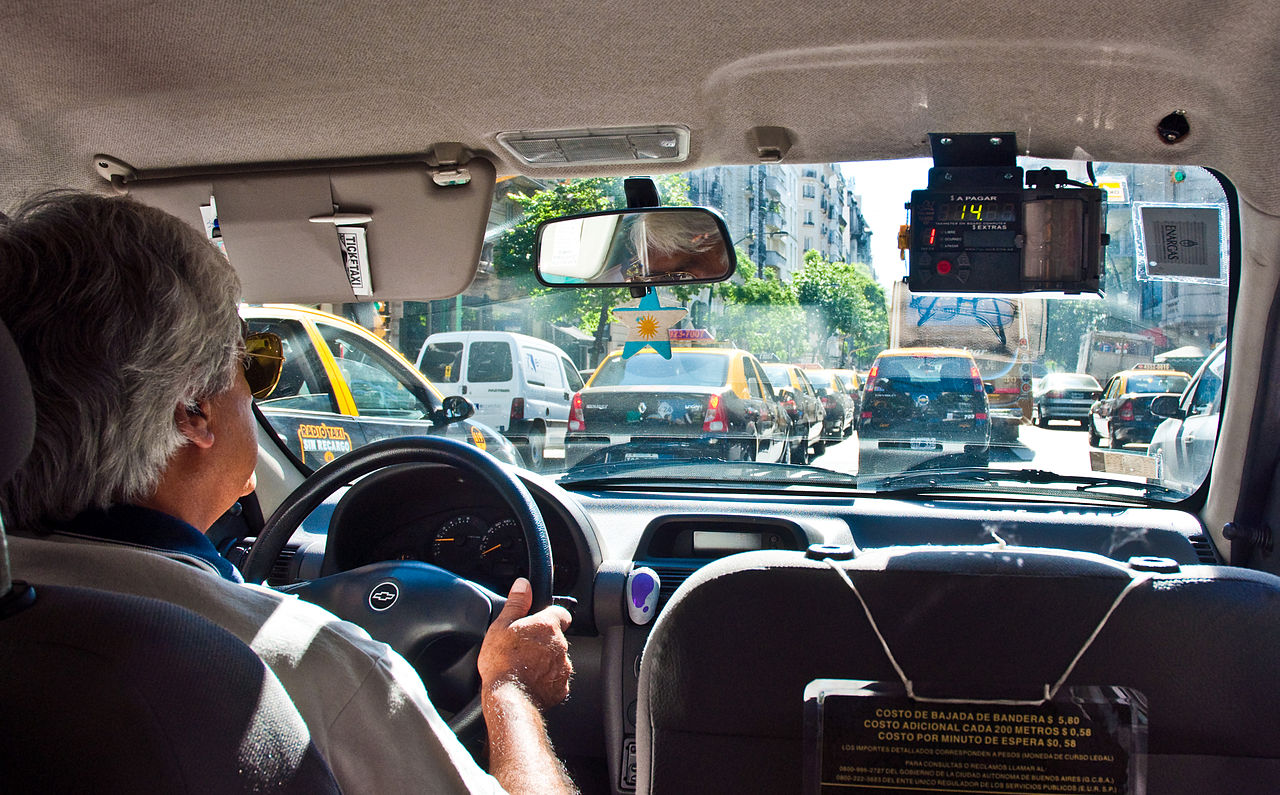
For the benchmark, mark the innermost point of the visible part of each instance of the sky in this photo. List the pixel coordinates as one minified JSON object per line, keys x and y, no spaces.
{"x":884,"y":187}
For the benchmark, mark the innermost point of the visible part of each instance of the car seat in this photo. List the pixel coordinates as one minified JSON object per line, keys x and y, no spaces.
{"x":106,"y":692}
{"x":724,"y":672}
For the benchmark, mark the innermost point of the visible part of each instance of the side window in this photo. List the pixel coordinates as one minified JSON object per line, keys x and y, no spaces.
{"x":441,"y":362}
{"x":377,"y":380}
{"x":572,"y":379}
{"x":1112,"y":385}
{"x":805,"y":386}
{"x":753,"y":378}
{"x":489,"y":361}
{"x":1208,"y":392}
{"x":303,"y":385}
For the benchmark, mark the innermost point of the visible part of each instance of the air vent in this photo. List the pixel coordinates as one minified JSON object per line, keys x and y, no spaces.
{"x":671,"y":575}
{"x":282,"y":570}
{"x":1204,"y":550}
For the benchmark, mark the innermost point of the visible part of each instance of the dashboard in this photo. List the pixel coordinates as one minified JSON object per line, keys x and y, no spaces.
{"x":435,"y":514}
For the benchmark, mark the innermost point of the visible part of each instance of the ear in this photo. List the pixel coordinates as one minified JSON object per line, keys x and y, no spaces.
{"x":193,"y":423}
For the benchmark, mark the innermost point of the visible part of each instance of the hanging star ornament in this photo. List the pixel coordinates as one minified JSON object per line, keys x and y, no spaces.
{"x":648,"y":325}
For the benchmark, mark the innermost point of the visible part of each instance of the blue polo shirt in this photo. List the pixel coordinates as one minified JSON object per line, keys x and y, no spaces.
{"x":149,"y":529}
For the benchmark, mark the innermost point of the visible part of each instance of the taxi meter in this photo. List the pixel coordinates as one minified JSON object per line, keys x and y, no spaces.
{"x":976,"y":229}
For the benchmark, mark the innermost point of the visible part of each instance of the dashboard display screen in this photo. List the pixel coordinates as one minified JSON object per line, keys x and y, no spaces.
{"x":715,"y":541}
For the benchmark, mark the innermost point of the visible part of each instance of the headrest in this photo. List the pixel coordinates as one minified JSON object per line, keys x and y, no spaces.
{"x":17,"y":404}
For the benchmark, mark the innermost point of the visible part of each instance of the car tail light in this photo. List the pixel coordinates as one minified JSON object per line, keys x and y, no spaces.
{"x":980,"y":416}
{"x":871,"y":377}
{"x":976,"y":375}
{"x":1125,"y":410}
{"x":866,"y":415}
{"x":827,"y":401}
{"x":1057,"y":393}
{"x":517,"y":411}
{"x":789,"y":404}
{"x":715,"y":418}
{"x":576,"y":421}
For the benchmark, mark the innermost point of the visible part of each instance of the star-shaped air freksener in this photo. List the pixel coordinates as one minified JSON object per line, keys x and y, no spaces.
{"x":648,"y":324}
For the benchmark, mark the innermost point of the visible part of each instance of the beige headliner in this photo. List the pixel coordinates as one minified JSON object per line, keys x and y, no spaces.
{"x":164,"y":85}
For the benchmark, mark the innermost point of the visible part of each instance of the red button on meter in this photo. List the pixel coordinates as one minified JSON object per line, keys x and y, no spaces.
{"x":943,"y":267}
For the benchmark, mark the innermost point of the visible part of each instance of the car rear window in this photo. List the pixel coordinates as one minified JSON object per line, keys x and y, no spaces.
{"x":682,"y":369}
{"x":932,"y":374}
{"x":442,"y":362}
{"x":1157,"y":383}
{"x":489,"y":361}
{"x":1073,"y":381}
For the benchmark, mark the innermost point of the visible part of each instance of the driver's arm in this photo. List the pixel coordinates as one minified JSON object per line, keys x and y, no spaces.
{"x":524,"y":667}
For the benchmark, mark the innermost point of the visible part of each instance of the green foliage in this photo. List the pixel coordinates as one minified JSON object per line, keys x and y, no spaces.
{"x":1066,"y":323}
{"x":513,"y":252}
{"x":513,"y":255}
{"x":767,"y":330}
{"x":844,"y":300}
{"x":769,"y":290}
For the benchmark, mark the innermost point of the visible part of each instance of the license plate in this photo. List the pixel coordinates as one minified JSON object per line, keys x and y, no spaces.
{"x":921,"y":443}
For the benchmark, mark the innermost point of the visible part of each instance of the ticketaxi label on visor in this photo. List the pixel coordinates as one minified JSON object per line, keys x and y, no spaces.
{"x":863,"y":736}
{"x":355,"y":258}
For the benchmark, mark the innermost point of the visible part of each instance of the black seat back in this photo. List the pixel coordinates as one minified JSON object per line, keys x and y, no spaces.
{"x":724,"y":672}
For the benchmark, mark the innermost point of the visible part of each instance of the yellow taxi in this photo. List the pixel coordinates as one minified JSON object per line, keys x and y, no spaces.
{"x":343,"y":387}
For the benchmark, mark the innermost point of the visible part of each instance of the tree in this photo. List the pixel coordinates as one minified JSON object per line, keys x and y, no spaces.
{"x":1066,"y":323}
{"x":761,"y":315}
{"x":513,"y":253}
{"x":844,"y":301}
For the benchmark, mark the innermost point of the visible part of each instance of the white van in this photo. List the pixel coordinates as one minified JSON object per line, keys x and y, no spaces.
{"x":518,"y":384}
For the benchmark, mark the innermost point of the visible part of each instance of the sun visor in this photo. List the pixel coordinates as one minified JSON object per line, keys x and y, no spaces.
{"x":342,"y":233}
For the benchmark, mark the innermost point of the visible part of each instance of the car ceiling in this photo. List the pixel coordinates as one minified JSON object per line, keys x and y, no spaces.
{"x":166,"y":85}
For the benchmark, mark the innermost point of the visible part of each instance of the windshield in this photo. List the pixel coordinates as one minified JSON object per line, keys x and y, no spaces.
{"x":948,"y":383}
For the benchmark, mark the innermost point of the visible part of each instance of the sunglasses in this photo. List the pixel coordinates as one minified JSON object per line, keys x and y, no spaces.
{"x":263,"y":361}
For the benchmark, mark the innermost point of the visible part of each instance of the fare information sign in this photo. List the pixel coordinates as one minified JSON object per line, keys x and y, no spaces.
{"x":870,"y":737}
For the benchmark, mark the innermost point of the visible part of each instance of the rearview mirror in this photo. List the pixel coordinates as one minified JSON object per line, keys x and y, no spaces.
{"x":648,"y":246}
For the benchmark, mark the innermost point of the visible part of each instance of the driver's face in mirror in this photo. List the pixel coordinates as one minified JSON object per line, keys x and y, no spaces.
{"x":676,"y":247}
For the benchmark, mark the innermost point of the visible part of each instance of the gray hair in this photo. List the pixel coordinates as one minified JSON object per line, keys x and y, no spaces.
{"x":686,"y":232}
{"x":122,"y":313}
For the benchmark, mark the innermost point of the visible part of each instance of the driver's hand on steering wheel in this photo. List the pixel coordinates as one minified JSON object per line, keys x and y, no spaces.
{"x":530,"y":650}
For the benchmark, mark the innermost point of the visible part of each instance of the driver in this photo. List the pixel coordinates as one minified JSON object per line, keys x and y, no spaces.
{"x":678,"y":246}
{"x":127,"y":321}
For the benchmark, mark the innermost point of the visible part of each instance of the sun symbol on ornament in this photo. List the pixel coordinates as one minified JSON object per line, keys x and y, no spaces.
{"x":648,"y":326}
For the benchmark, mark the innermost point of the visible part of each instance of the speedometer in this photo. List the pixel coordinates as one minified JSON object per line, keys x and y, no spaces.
{"x":502,"y":551}
{"x":457,"y":545}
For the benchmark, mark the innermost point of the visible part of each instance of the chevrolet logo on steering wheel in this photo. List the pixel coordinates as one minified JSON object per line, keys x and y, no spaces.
{"x":384,"y":595}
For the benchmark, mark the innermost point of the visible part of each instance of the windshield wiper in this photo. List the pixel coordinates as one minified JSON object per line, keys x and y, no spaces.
{"x":933,"y":480}
{"x":718,"y":470}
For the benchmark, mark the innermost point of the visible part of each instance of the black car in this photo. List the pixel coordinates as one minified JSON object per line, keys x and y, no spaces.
{"x":716,"y":399}
{"x":1123,"y":414}
{"x":923,"y":408}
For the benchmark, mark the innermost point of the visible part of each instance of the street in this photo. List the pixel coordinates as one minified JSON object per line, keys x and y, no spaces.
{"x":1062,"y":447}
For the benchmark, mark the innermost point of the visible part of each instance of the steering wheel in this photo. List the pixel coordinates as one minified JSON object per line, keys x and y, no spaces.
{"x":416,"y":608}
